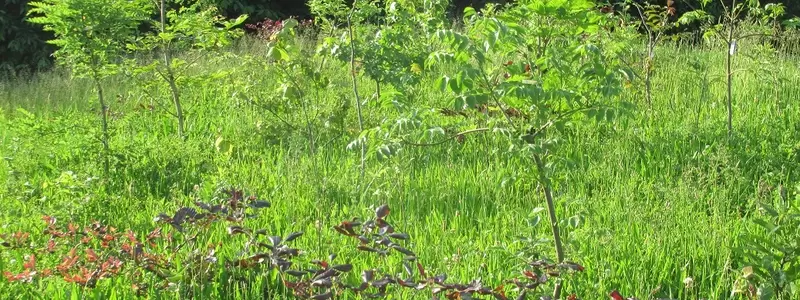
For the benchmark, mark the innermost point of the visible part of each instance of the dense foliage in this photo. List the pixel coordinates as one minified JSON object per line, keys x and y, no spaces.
{"x":23,"y":47}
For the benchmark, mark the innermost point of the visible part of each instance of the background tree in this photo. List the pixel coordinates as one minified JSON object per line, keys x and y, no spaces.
{"x":91,"y":37}
{"x":191,"y":32}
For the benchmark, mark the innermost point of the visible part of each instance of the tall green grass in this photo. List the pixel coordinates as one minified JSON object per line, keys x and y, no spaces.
{"x":653,"y":199}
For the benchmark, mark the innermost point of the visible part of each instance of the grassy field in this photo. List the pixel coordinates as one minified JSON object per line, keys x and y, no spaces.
{"x":649,"y":202}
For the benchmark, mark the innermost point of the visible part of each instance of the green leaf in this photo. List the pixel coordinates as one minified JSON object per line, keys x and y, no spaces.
{"x":764,"y":224}
{"x":455,"y":85}
{"x":529,"y":138}
{"x":792,"y":23}
{"x":459,"y":103}
{"x":469,"y":12}
{"x":278,"y":54}
{"x":443,"y":82}
{"x":767,"y":292}
{"x":768,"y":209}
{"x":532,"y":222}
{"x":692,"y":16}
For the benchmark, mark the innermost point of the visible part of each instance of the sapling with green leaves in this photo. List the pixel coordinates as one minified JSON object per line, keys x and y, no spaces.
{"x":655,"y":19}
{"x":387,"y":52}
{"x":727,"y":28}
{"x":91,"y":36}
{"x":300,"y":80}
{"x":191,"y":31}
{"x":532,"y":69}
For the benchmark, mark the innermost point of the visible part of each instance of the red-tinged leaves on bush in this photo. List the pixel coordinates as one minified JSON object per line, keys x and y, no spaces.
{"x":409,"y":283}
{"x":523,"y":295}
{"x":162,"y":218}
{"x":51,"y":246}
{"x":324,"y":296}
{"x":615,"y":295}
{"x":235,"y":194}
{"x":385,"y":229}
{"x":440,"y":278}
{"x":367,"y":276}
{"x":259,"y":204}
{"x":530,"y":275}
{"x":86,"y":263}
{"x":293,"y":236}
{"x":399,"y":236}
{"x":382,"y":211}
{"x":323,"y":264}
{"x":407,"y":268}
{"x":275,"y":240}
{"x":234,"y":230}
{"x":30,"y":264}
{"x":346,"y":228}
{"x":323,"y":282}
{"x":421,"y":270}
{"x":381,"y":283}
{"x":325,"y":274}
{"x":91,"y":256}
{"x":572,"y":297}
{"x":48,"y":220}
{"x":368,"y":249}
{"x":402,"y":250}
{"x":364,"y":240}
{"x":297,"y":273}
{"x":344,"y":268}
{"x":156,"y":233}
{"x":572,"y":266}
{"x":131,"y":236}
{"x":25,"y":276}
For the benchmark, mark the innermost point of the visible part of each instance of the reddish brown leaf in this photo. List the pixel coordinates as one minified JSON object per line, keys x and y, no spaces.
{"x":616,"y":295}
{"x":531,"y":275}
{"x":321,"y":263}
{"x":421,"y":270}
{"x":50,"y":221}
{"x":51,"y":246}
{"x":91,"y":256}
{"x":382,"y":211}
{"x":30,"y":265}
{"x":293,"y":236}
{"x":572,"y":297}
{"x":324,"y":296}
{"x":344,"y":268}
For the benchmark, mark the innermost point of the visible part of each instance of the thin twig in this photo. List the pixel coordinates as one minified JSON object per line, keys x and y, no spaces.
{"x":355,"y":87}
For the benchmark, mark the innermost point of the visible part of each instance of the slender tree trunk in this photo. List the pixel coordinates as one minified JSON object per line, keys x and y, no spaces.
{"x":104,"y":113}
{"x":648,"y":69}
{"x":728,"y":62}
{"x":378,"y":89}
{"x":177,"y":100}
{"x":355,"y":90}
{"x":170,"y":77}
{"x":551,"y":211}
{"x":729,"y":81}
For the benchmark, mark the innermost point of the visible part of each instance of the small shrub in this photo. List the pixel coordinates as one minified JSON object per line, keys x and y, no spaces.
{"x":173,"y":257}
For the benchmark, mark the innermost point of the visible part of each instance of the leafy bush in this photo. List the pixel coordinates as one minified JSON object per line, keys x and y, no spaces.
{"x":173,"y":257}
{"x":771,"y":250}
